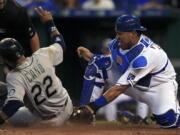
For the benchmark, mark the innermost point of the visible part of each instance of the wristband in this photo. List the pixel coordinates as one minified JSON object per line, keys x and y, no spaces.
{"x":60,"y":40}
{"x":51,"y":26}
{"x":100,"y":102}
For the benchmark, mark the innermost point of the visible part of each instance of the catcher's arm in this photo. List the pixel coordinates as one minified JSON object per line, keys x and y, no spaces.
{"x":89,"y":110}
{"x":84,"y":53}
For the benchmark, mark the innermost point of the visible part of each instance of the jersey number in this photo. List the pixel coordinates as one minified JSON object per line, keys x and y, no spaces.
{"x":47,"y":82}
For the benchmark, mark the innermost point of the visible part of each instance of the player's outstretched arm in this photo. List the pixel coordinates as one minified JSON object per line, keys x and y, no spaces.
{"x":46,"y":18}
{"x":90,"y":110}
{"x":84,"y":53}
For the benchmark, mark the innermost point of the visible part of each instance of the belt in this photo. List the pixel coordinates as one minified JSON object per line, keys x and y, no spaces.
{"x":55,"y":115}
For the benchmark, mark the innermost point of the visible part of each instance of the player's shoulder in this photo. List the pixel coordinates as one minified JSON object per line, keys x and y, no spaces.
{"x":13,"y":76}
{"x":140,"y":62}
{"x":53,"y":47}
{"x":154,"y":51}
{"x":150,"y":44}
{"x":149,"y":55}
{"x":52,"y":50}
{"x":41,"y":53}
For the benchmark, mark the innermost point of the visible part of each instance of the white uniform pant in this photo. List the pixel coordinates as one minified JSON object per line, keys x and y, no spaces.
{"x":62,"y":117}
{"x":160,"y":98}
{"x":23,"y":117}
{"x":111,"y":109}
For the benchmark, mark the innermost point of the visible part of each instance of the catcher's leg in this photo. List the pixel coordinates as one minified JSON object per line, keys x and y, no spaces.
{"x":162,"y":101}
{"x":166,"y":106}
{"x":142,"y":110}
{"x":111,"y":109}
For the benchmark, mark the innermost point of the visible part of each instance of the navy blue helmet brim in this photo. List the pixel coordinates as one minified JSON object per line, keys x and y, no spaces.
{"x":141,"y":28}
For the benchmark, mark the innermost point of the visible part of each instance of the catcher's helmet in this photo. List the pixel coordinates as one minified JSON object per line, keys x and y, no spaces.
{"x":128,"y":23}
{"x":11,"y":49}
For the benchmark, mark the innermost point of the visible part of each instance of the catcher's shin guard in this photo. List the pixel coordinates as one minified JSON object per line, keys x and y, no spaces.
{"x":168,"y":120}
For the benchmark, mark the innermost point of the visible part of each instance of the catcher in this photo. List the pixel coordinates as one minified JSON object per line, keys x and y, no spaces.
{"x":145,"y":73}
{"x":98,"y":77}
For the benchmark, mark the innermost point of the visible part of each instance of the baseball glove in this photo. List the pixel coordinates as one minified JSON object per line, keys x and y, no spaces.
{"x":84,"y":114}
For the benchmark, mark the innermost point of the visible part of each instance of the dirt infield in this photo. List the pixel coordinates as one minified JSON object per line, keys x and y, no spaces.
{"x":98,"y":129}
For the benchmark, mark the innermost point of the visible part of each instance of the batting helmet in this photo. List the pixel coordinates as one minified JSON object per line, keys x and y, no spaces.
{"x":128,"y":23}
{"x":11,"y":49}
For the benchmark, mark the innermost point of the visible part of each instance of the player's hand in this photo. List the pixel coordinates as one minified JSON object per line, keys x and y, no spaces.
{"x":81,"y":50}
{"x":84,"y":53}
{"x":84,"y":114}
{"x":44,"y":15}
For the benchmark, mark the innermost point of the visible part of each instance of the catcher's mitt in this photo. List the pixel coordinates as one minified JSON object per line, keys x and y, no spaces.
{"x":83,"y":114}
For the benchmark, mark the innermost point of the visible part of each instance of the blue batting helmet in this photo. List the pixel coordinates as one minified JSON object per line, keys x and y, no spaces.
{"x":128,"y":23}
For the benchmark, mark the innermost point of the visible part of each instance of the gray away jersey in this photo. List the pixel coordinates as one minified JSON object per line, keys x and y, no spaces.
{"x":35,"y":79}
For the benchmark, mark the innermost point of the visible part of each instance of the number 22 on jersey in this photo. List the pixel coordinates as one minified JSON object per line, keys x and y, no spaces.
{"x":37,"y":90}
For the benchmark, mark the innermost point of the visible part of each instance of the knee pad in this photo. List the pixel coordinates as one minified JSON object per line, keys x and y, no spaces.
{"x":167,"y":120}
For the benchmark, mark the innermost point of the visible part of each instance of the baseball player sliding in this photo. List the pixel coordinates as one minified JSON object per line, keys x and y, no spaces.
{"x":146,"y":74}
{"x":32,"y":81}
